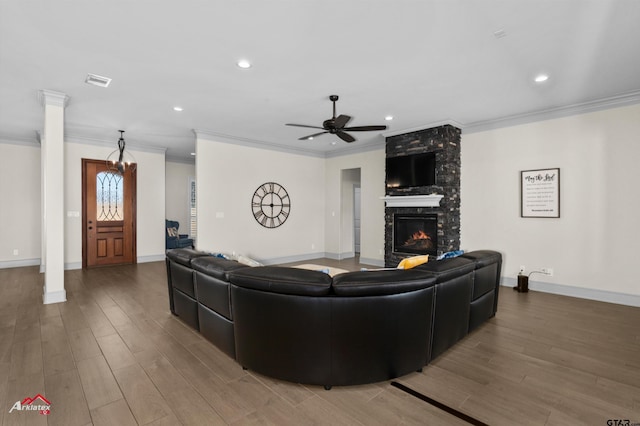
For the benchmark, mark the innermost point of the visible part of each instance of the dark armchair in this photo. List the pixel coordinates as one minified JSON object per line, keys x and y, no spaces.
{"x":175,"y":240}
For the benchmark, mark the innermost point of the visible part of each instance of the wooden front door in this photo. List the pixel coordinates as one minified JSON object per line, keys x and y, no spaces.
{"x":108,"y":215}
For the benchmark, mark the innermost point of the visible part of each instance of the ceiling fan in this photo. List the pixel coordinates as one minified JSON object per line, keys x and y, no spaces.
{"x":336,"y":126}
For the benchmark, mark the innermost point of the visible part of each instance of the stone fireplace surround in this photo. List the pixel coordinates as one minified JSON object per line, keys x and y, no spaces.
{"x":445,"y":142}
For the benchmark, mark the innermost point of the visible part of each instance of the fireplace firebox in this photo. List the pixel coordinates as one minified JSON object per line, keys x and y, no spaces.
{"x":415,"y":234}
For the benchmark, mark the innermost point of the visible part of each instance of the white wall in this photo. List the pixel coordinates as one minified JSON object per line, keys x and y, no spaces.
{"x":177,"y":192}
{"x":593,"y":245}
{"x":20,"y":210}
{"x":371,"y":165}
{"x":227,"y":176}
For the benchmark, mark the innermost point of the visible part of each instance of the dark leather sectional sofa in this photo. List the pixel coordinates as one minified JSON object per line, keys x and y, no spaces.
{"x":358,"y":327}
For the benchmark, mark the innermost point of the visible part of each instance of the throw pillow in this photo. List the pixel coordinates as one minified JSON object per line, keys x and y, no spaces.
{"x":172,"y":232}
{"x":450,"y":254}
{"x":412,"y":262}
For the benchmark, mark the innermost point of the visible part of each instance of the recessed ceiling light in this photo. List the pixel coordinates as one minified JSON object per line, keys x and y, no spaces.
{"x":334,"y":143}
{"x":177,"y":108}
{"x":244,"y":64}
{"x":193,"y":153}
{"x":310,"y":138}
{"x":389,"y":117}
{"x":541,"y":78}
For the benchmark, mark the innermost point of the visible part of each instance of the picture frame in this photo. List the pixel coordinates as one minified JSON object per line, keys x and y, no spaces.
{"x":540,"y":193}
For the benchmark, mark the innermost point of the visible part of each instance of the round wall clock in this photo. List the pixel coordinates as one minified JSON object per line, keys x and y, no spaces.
{"x":270,"y":205}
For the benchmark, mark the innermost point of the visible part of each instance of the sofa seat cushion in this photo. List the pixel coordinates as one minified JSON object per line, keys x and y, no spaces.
{"x":184,"y":256}
{"x":382,"y":282}
{"x":483,"y":257}
{"x":215,"y":266}
{"x":447,"y":269}
{"x":280,"y":279}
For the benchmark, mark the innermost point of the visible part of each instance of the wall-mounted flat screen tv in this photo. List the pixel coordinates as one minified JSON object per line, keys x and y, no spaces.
{"x":411,"y":170}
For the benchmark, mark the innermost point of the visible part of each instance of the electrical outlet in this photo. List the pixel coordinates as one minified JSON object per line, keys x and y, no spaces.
{"x":522,"y":269}
{"x":547,"y":271}
{"x":15,"y":252}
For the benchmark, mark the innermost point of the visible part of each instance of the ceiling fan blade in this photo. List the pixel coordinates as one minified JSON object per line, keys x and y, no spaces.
{"x":311,"y":136}
{"x":345,"y":136}
{"x":341,"y":121}
{"x":304,"y":125}
{"x":365,"y":128}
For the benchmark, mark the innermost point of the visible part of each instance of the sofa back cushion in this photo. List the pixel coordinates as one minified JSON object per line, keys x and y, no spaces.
{"x":184,"y":256}
{"x":215,"y":266}
{"x":280,"y":279}
{"x":381,"y":282}
{"x":483,"y":257}
{"x":447,"y":269}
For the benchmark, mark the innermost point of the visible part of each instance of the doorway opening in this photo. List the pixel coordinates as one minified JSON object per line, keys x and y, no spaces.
{"x":350,"y":244}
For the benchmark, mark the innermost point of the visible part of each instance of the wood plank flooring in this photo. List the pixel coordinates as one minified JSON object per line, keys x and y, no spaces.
{"x":114,"y":355}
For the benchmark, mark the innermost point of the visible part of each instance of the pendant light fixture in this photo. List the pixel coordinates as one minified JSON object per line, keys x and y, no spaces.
{"x":120,"y":160}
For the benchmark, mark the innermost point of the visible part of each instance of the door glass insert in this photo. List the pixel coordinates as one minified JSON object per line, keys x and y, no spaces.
{"x":110,"y":197}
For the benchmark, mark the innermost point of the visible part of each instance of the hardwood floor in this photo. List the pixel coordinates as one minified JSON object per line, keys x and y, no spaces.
{"x":114,"y":355}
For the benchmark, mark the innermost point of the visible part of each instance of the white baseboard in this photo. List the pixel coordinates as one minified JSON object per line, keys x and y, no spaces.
{"x":73,"y":265}
{"x":54,"y":297}
{"x":152,"y":258}
{"x":375,"y":262}
{"x":340,"y":256}
{"x":310,"y":256}
{"x":290,"y":259}
{"x":580,"y":292}
{"x":19,"y":263}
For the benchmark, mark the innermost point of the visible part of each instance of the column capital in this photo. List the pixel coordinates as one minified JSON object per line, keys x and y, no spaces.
{"x":50,"y":97}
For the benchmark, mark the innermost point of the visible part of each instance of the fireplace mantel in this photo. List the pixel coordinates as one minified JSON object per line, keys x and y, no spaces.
{"x":432,"y":200}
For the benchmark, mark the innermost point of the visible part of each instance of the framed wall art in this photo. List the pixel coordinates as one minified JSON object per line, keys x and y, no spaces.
{"x":540,"y":193}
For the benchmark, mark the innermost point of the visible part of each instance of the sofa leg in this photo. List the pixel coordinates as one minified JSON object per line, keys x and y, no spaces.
{"x":244,"y":368}
{"x":327,"y":387}
{"x":419,"y":370}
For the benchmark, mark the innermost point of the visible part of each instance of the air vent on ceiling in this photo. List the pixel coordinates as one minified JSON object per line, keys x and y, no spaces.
{"x":97,"y":80}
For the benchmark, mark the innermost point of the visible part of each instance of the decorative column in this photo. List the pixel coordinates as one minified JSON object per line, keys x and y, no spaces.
{"x":52,"y":189}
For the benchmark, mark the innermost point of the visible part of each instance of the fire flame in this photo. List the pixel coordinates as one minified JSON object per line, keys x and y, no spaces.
{"x":416,"y":236}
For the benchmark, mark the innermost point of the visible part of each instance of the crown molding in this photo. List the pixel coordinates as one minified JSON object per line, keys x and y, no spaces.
{"x":625,"y":99}
{"x":10,"y":139}
{"x":339,"y":152}
{"x":237,"y":140}
{"x":431,"y":125}
{"x":175,"y":159}
{"x":80,"y":139}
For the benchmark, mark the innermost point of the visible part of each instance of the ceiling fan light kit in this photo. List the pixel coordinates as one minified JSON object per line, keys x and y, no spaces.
{"x":336,"y":126}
